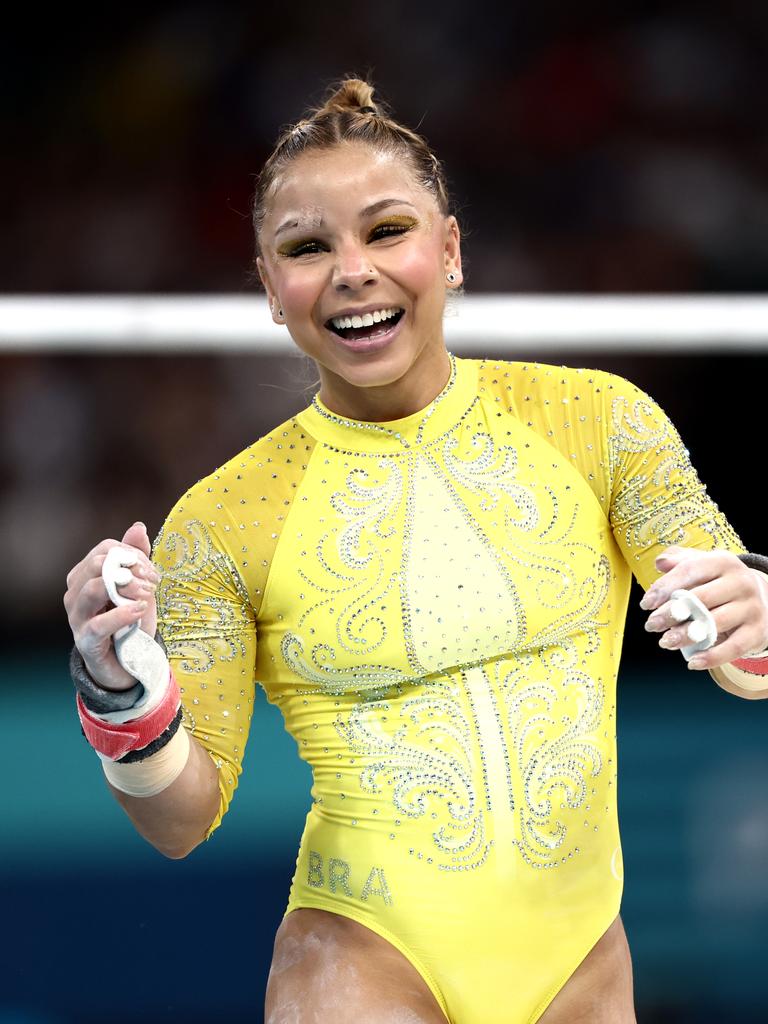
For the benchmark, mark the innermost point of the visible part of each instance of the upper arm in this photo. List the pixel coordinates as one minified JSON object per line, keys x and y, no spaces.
{"x":656,"y":496}
{"x":207,"y":623}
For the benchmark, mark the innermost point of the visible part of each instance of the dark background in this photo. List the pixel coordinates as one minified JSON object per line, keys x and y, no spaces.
{"x":593,"y":148}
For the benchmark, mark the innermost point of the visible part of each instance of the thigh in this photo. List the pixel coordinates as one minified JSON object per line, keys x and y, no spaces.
{"x":600,"y":989}
{"x":328,"y":969}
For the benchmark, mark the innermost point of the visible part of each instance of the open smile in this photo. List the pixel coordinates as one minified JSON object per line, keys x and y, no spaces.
{"x":366,"y":331}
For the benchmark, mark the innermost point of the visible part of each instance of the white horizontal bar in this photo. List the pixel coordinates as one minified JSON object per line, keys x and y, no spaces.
{"x":206,"y":323}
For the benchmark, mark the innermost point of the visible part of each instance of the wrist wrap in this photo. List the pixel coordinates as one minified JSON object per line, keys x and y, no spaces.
{"x":755,"y":666}
{"x":115,"y":741}
{"x":95,"y":697}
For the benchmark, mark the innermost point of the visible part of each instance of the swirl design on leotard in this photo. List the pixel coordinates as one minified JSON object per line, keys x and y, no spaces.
{"x":201,"y":626}
{"x":660,"y":505}
{"x":350,"y":580}
{"x":439,"y":533}
{"x":556,"y":759}
{"x":492,"y":473}
{"x":427,"y":760}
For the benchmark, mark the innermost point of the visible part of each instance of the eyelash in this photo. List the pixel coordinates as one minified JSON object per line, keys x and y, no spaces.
{"x":387,"y":228}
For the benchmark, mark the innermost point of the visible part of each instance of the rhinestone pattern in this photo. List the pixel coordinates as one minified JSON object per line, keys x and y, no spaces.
{"x":439,"y":603}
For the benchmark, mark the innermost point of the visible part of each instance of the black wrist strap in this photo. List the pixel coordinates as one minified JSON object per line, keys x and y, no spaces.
{"x":95,"y":697}
{"x":752,"y":561}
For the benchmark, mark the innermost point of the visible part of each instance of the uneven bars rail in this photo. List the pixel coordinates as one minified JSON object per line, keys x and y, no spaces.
{"x":476,"y":324}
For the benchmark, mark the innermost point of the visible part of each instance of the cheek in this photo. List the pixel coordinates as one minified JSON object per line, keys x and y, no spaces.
{"x":422,"y":269}
{"x":297,"y":291}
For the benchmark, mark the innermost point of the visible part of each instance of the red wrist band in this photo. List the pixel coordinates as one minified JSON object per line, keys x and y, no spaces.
{"x":115,"y":741}
{"x":753,"y":666}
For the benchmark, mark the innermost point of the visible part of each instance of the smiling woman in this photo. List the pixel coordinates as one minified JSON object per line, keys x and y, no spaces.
{"x":354,"y":232}
{"x":428,"y":571}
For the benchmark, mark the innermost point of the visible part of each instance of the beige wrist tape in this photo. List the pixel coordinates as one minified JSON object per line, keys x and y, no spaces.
{"x":737,"y":677}
{"x":153,"y":775}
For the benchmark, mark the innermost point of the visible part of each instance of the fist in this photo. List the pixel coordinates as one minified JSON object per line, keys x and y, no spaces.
{"x":736,"y":596}
{"x":93,"y":618}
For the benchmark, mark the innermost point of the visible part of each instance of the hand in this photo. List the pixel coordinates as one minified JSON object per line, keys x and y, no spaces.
{"x":736,"y":596}
{"x":93,"y":619}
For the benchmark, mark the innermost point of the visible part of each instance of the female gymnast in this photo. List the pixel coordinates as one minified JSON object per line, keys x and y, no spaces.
{"x":427,"y":570}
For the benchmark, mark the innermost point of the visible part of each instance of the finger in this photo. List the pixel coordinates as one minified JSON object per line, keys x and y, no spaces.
{"x":91,"y":566}
{"x":102,"y":627}
{"x":136,"y":536}
{"x":715,"y":594}
{"x":690,"y":572}
{"x":723,"y":590}
{"x":734,"y":646}
{"x":85,"y":563}
{"x":149,"y":618}
{"x":727,"y":619}
{"x":93,"y":598}
{"x":672,"y":556}
{"x":664,"y":618}
{"x":137,"y":562}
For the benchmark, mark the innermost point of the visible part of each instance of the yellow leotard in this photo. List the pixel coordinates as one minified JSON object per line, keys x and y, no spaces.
{"x":439,"y":604}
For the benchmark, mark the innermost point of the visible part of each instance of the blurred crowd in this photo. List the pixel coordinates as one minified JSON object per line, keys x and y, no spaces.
{"x":591,"y":147}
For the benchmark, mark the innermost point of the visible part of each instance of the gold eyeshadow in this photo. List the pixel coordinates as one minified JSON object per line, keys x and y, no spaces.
{"x":293,"y":248}
{"x":401,"y":220}
{"x":401,"y":223}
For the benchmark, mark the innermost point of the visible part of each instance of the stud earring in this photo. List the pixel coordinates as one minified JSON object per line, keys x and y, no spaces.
{"x":450,"y":277}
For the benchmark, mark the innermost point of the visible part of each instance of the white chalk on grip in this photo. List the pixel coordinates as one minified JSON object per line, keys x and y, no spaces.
{"x":702,"y":631}
{"x":136,"y":651}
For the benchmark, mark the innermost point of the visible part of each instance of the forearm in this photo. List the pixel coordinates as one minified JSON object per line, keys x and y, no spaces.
{"x":177,"y":819}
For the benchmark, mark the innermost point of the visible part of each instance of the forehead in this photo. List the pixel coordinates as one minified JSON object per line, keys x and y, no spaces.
{"x":346,"y":177}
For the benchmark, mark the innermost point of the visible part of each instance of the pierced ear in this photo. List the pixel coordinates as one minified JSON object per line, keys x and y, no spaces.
{"x":453,"y":250}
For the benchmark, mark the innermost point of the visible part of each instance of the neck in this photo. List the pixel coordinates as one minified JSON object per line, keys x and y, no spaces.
{"x":403,"y":397}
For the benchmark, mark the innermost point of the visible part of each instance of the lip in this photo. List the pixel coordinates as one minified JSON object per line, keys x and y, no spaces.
{"x":366,"y":345}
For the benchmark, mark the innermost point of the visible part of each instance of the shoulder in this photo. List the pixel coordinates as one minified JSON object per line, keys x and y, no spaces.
{"x":258,"y":474}
{"x":525,"y":387}
{"x":231,"y":519}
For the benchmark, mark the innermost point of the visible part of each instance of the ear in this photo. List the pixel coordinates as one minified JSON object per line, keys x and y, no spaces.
{"x":452,"y":253}
{"x":274,"y":302}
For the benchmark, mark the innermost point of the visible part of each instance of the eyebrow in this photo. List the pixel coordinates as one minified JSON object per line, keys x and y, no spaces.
{"x":376,"y":207}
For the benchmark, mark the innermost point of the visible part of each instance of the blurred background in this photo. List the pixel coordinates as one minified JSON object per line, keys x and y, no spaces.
{"x":593,"y":149}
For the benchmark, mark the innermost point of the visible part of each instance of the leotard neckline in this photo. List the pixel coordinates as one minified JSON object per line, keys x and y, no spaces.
{"x":393,"y":436}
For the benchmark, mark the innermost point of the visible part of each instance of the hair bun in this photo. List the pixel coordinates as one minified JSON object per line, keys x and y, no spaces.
{"x":349,"y":95}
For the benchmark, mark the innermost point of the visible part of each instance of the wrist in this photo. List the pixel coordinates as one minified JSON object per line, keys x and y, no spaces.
{"x":133,"y":734}
{"x":95,"y":697}
{"x":101,"y":700}
{"x":740,"y":683}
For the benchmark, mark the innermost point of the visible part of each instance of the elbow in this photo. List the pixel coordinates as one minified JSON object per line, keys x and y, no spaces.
{"x":179,"y":848}
{"x":175,"y":853}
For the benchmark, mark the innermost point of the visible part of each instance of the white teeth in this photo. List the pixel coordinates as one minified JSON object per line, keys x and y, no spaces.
{"x":366,"y":320}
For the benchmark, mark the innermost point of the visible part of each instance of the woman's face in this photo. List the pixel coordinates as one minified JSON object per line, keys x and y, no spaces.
{"x":355,"y":254}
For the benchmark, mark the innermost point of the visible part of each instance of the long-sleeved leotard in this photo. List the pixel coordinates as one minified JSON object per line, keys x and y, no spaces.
{"x":439,"y":604}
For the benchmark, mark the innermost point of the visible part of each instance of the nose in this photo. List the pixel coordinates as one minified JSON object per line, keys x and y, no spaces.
{"x":352,"y":269}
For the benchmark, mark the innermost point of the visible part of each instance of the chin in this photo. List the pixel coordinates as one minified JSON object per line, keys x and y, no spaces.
{"x":377,"y":370}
